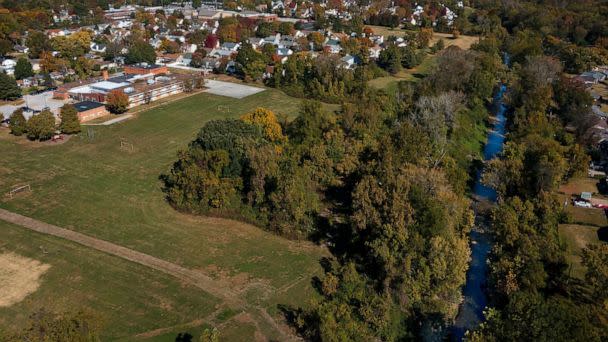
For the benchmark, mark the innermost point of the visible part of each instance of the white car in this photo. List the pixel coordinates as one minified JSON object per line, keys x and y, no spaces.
{"x":582,"y":204}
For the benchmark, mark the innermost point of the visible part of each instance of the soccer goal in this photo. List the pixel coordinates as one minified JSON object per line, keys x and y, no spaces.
{"x":223,"y":109}
{"x":15,"y":190}
{"x":126,"y":146}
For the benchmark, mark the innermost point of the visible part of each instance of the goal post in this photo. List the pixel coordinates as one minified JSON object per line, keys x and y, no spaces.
{"x":17,"y":189}
{"x":223,"y":109}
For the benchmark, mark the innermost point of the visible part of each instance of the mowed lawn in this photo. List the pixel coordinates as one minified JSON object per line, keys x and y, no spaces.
{"x":389,"y":83}
{"x":126,"y":298}
{"x":90,"y":185}
{"x":577,"y":237}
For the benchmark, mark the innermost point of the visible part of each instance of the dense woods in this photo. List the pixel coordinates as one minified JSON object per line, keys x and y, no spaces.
{"x":382,"y":181}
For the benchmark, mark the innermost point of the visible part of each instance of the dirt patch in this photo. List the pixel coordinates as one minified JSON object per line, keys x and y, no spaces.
{"x":19,"y":277}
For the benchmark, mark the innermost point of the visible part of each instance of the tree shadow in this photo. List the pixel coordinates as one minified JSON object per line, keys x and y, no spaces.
{"x":602,"y":186}
{"x":184,"y":337}
{"x":602,"y":234}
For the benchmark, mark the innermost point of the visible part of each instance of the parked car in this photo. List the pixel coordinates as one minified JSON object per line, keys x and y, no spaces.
{"x":582,"y":204}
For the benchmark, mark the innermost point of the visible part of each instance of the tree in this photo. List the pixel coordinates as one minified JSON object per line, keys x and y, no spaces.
{"x":70,"y":124}
{"x":169,"y":46}
{"x":266,"y":120}
{"x":37,"y":42}
{"x":390,"y":59}
{"x":9,"y":90}
{"x":5,"y":47}
{"x":286,"y":28}
{"x":17,"y":122}
{"x":595,"y":259}
{"x":140,"y":51}
{"x":117,"y":102}
{"x":71,"y":326}
{"x":198,"y":59}
{"x":41,"y":126}
{"x":264,"y":29}
{"x":196,"y":3}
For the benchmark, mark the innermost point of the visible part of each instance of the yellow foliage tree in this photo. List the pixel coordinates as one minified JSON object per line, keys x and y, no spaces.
{"x":267,"y":120}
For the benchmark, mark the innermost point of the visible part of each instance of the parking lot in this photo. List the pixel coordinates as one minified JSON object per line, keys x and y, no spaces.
{"x":234,"y":90}
{"x":36,"y":102}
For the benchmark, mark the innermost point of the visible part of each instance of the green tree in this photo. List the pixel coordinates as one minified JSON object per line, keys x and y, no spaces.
{"x":117,"y":102}
{"x":41,"y":126}
{"x":595,"y":259}
{"x":70,"y":124}
{"x":9,"y":90}
{"x":390,"y":59}
{"x":37,"y":42}
{"x":5,"y":47}
{"x":44,"y":326}
{"x":17,"y":122}
{"x":140,"y":51}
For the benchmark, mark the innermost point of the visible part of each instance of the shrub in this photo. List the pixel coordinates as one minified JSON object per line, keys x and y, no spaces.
{"x":41,"y":126}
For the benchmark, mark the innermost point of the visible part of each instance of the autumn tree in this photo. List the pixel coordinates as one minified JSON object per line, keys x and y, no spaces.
{"x":267,"y":121}
{"x":117,"y":102}
{"x":70,"y":124}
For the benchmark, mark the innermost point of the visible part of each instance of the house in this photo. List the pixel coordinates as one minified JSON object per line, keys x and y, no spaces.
{"x":332,"y":46}
{"x":21,"y":49}
{"x":374,"y":52}
{"x":184,"y":59}
{"x":233,"y":47}
{"x":350,"y":61}
{"x":90,"y":110}
{"x":98,"y":48}
{"x":8,"y":65}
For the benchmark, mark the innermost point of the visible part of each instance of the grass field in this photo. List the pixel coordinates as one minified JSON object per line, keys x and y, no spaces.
{"x":389,"y":83}
{"x":463,"y":41}
{"x":90,"y":185}
{"x":576,"y":237}
{"x":589,"y":224}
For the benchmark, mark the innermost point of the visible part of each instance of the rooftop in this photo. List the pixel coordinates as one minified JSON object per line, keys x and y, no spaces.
{"x":87,"y":105}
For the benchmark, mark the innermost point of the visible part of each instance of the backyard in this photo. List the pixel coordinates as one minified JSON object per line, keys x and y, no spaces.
{"x":91,"y":185}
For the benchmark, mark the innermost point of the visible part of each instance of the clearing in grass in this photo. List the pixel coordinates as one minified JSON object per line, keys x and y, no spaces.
{"x":19,"y":277}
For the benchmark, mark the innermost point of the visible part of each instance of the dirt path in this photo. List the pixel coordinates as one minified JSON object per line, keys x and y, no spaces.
{"x":197,"y":279}
{"x":204,"y":282}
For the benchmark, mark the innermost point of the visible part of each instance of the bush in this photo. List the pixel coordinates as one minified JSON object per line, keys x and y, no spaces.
{"x":17,"y":122}
{"x":41,"y":126}
{"x":70,"y":124}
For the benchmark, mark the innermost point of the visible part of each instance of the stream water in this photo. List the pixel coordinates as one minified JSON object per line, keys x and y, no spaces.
{"x":471,"y":310}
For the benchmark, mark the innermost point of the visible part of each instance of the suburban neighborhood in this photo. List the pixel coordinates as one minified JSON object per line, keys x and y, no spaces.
{"x":303,"y":170}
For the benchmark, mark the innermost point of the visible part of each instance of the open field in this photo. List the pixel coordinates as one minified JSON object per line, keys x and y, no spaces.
{"x":463,"y":42}
{"x":589,"y":224}
{"x":576,"y":238}
{"x":584,"y":216}
{"x":90,"y":185}
{"x":389,"y":83}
